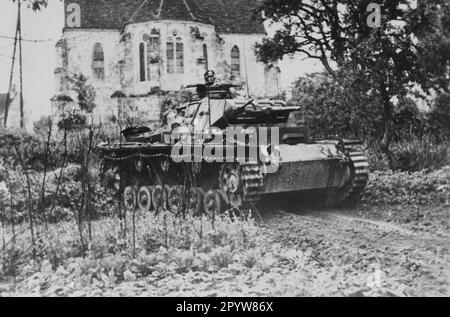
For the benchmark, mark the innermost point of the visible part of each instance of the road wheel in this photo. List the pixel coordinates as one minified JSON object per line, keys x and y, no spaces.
{"x":144,"y":198}
{"x":159,"y":197}
{"x":175,"y":199}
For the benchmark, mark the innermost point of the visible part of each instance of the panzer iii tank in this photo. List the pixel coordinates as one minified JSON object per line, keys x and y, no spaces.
{"x":221,"y":152}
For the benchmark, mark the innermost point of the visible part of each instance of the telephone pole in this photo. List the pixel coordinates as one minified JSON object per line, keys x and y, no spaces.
{"x":8,"y":95}
{"x":19,"y":23}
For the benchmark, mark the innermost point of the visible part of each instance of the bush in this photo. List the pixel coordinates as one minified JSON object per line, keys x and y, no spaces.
{"x":439,"y":118}
{"x":73,"y":121}
{"x":33,"y":150}
{"x":30,"y":148}
{"x":409,"y":188}
{"x":409,"y":120}
{"x":377,"y":159}
{"x":413,"y":155}
{"x":420,"y":154}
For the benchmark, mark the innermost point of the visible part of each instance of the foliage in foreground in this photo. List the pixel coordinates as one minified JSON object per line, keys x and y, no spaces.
{"x":164,"y":244}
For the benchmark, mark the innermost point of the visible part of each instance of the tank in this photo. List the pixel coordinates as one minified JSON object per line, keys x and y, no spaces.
{"x":221,"y":153}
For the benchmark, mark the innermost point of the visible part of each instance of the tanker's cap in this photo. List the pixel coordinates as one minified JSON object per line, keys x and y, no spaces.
{"x":210,"y":77}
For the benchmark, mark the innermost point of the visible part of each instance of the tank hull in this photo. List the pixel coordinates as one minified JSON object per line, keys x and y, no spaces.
{"x":306,"y":167}
{"x":306,"y":175}
{"x":340,"y":173}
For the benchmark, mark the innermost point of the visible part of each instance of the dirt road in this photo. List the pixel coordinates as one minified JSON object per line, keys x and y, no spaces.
{"x":366,"y":252}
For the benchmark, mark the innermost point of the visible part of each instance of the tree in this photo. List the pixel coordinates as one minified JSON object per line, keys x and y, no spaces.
{"x":381,"y":62}
{"x":330,"y":109}
{"x":439,"y":117}
{"x":36,"y":4}
{"x":75,"y":118}
{"x":434,"y":48}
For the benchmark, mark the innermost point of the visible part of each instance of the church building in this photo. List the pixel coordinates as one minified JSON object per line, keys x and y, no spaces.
{"x":140,"y":47}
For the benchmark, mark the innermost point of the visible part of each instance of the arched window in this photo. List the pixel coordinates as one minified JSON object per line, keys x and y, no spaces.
{"x":170,"y":56}
{"x":180,"y":56}
{"x":235,"y":62}
{"x":151,"y":55}
{"x":98,"y":62}
{"x":142,"y":65}
{"x":175,"y":56}
{"x":205,"y":56}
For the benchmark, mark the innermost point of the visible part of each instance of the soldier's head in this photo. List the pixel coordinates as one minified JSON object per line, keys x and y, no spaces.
{"x":210,"y":77}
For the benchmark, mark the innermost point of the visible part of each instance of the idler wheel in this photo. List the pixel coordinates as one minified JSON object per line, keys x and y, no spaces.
{"x":213,"y":203}
{"x":129,"y":198}
{"x":175,"y":199}
{"x":144,"y":198}
{"x":159,"y":197}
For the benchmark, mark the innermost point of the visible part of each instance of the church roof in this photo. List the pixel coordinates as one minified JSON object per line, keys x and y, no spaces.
{"x":229,"y":16}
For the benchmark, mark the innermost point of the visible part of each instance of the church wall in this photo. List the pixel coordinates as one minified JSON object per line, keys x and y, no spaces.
{"x":79,"y":46}
{"x":193,"y":51}
{"x":122,"y":63}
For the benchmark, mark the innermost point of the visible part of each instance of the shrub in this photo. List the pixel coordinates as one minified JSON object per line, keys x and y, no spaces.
{"x":413,"y":154}
{"x":30,"y":148}
{"x":439,"y":117}
{"x":409,"y":120}
{"x":73,"y":121}
{"x":420,"y":154}
{"x":377,"y":160}
{"x":408,"y":188}
{"x":330,"y":108}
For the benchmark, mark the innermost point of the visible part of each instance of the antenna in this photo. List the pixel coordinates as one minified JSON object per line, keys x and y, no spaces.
{"x":246,"y":70}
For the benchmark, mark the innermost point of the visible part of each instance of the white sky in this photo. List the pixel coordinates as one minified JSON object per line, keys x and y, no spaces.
{"x":39,"y":57}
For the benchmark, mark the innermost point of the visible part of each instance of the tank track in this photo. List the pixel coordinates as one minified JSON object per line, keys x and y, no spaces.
{"x":250,"y":174}
{"x":360,"y":176}
{"x":253,"y":182}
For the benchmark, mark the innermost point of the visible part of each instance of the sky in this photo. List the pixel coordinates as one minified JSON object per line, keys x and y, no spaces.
{"x":39,"y":57}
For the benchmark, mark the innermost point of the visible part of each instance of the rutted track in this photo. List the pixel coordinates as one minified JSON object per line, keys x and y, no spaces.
{"x":411,"y":262}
